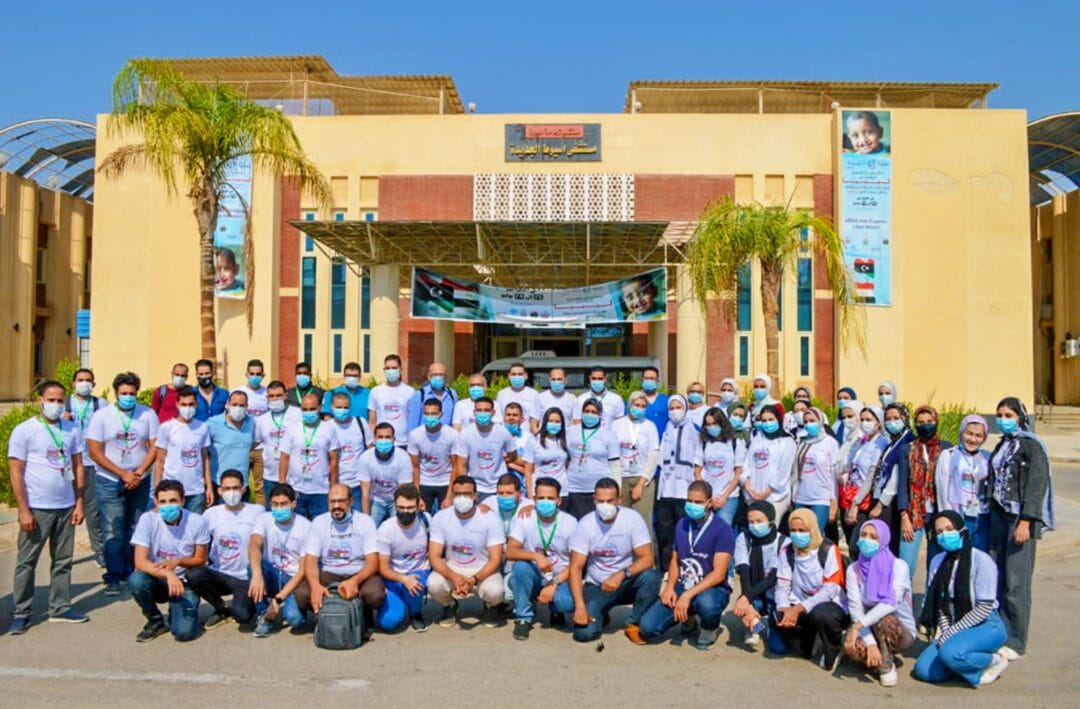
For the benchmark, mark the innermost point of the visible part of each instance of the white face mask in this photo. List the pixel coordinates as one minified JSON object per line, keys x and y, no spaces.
{"x":799,"y":418}
{"x":186,"y":412}
{"x":276,"y":405}
{"x":352,"y":382}
{"x":237,"y":413}
{"x":178,"y":381}
{"x":52,"y":410}
{"x":84,"y":388}
{"x":606,"y":511}
{"x":463,"y":504}
{"x":868,"y":427}
{"x":727,"y":396}
{"x":231,"y":498}
{"x":677,"y":415}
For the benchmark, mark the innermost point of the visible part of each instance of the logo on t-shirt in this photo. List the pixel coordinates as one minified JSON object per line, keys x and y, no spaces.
{"x":348,"y":453}
{"x":464,"y":551}
{"x":430,"y":463}
{"x":337,"y":556}
{"x":761,"y":458}
{"x":228,"y":546}
{"x":392,"y":411}
{"x":55,"y":458}
{"x":604,"y":552}
{"x":690,"y":572}
{"x":126,"y":440}
{"x":486,"y":456}
{"x":189,"y":457}
{"x":809,"y":464}
{"x":281,"y":555}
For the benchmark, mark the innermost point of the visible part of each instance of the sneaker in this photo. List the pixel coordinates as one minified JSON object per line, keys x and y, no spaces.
{"x":150,"y":631}
{"x":633,"y":634}
{"x":522,"y":628}
{"x":19,"y":625}
{"x":753,"y":641}
{"x":99,"y":561}
{"x":69,"y":616}
{"x":491,"y":617}
{"x":998,"y":665}
{"x":216,"y":620}
{"x":557,"y":620}
{"x":263,"y":627}
{"x":689,"y":627}
{"x":706,"y":638}
{"x":113,"y":589}
{"x":418,"y":624}
{"x":448,"y":616}
{"x":829,"y":663}
{"x":889,"y":679}
{"x":1008,"y":653}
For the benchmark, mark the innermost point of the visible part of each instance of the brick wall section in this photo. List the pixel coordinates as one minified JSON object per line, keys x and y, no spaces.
{"x":677,"y":197}
{"x":720,"y":344}
{"x":824,"y":309}
{"x":288,"y":350}
{"x":425,"y":197}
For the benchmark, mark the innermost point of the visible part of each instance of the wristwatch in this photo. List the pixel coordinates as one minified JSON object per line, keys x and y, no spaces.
{"x":279,"y":601}
{"x":626,"y":572}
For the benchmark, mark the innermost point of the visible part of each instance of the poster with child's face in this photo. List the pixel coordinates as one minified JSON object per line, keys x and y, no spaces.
{"x":231,"y":229}
{"x":867,"y":132}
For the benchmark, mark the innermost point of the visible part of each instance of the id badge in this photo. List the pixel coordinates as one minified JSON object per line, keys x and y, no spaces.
{"x":125,"y":458}
{"x":68,"y":473}
{"x":305,"y":473}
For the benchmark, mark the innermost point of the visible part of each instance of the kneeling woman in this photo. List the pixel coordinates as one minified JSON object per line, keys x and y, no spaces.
{"x":809,"y":591}
{"x":961,"y":602}
{"x":756,"y":552}
{"x":879,"y":602}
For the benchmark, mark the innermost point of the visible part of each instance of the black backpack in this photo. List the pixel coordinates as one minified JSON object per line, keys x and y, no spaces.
{"x":822,"y":553}
{"x":341,"y":622}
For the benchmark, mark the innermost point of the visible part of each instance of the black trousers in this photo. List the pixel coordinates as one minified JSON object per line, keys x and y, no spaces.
{"x":433,"y":496}
{"x":211,"y":585}
{"x":819,"y":631}
{"x":668,"y":512}
{"x":579,"y":504}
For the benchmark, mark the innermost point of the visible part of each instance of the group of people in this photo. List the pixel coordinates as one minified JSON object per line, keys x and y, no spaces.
{"x":275,"y":497}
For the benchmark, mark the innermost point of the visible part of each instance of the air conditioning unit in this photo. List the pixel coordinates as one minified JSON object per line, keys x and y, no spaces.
{"x":1070,"y":348}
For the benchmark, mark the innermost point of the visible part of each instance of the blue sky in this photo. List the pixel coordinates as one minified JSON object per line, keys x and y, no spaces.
{"x":59,"y":57}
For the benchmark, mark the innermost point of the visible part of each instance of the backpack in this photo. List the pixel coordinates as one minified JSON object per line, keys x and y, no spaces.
{"x":341,"y":622}
{"x":822,"y":553}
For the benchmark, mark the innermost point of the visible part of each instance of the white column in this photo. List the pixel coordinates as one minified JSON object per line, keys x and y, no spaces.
{"x":689,"y":332}
{"x":444,"y":347}
{"x":384,"y":313}
{"x":658,"y":347}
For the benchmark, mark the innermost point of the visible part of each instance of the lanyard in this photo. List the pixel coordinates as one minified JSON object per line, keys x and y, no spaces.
{"x":275,"y":422}
{"x":585,"y":439}
{"x":701,"y":532}
{"x":58,"y":441}
{"x":126,"y":424}
{"x":308,"y":439}
{"x":81,"y":414}
{"x":545,"y":543}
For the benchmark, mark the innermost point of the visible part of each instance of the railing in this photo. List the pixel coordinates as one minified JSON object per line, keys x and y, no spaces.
{"x":1044,"y":409}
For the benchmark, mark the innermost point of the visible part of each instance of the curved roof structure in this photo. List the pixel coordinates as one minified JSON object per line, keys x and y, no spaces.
{"x":1054,"y":155}
{"x":57,"y":153}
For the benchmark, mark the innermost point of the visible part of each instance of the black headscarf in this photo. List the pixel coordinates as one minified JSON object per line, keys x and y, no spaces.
{"x":757,"y":560}
{"x":937,"y":601}
{"x":780,"y":432}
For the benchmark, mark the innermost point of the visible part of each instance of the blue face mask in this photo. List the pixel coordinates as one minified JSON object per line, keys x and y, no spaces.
{"x":695,"y":397}
{"x":475,"y":392}
{"x":517,"y":381}
{"x":650,"y":385}
{"x":310,"y":417}
{"x":546,"y":508}
{"x":813,"y":429}
{"x":507,"y":504}
{"x":694,"y":510}
{"x":558,"y":387}
{"x":760,"y":394}
{"x":553,"y":428}
{"x":254,"y":381}
{"x":886,"y":399}
{"x":126,"y":402}
{"x":636,"y":412}
{"x":713,"y":430}
{"x":758,"y":425}
{"x":281,"y":515}
{"x":514,"y":428}
{"x":340,"y":414}
{"x":169,"y":513}
{"x":770,"y":426}
{"x":303,"y":381}
{"x":868,"y":547}
{"x":384,"y":445}
{"x":597,"y":385}
{"x":1007,"y":426}
{"x":392,"y":375}
{"x":483,"y":417}
{"x":950,"y":540}
{"x":760,"y":529}
{"x":431,"y":421}
{"x":437,"y":382}
{"x":737,"y":423}
{"x":894,"y":427}
{"x":590,"y":420}
{"x":801,"y":540}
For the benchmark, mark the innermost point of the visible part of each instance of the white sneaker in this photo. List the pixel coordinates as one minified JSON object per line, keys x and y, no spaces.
{"x":1008,"y":653}
{"x":991,"y":673}
{"x":889,"y":679}
{"x":753,"y":640}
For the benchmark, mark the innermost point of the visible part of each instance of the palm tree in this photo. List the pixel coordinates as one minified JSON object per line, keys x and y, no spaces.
{"x":729,"y":235}
{"x":190,"y":133}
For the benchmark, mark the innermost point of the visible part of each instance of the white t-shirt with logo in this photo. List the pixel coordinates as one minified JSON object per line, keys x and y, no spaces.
{"x":257,"y":404}
{"x":609,"y":547}
{"x":527,"y":398}
{"x":612,"y":405}
{"x":527,"y":531}
{"x":464,"y":412}
{"x":183,"y":445}
{"x":549,"y":461}
{"x":47,"y":452}
{"x":341,"y":547}
{"x":484,"y":453}
{"x":391,"y":405}
{"x":384,"y":475}
{"x":165,"y":542}
{"x":126,"y":439}
{"x":636,"y":440}
{"x":718,"y":460}
{"x":283,"y":546}
{"x":466,"y":541}
{"x":270,"y":429}
{"x":407,"y":549}
{"x":769,"y":466}
{"x":231,"y":533}
{"x":354,"y":437}
{"x":435,"y":451}
{"x":590,"y":454}
{"x":309,"y":456}
{"x":566,"y":402}
{"x":817,"y":472}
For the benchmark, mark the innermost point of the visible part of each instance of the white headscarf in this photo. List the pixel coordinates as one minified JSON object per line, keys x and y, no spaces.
{"x":757,"y":405}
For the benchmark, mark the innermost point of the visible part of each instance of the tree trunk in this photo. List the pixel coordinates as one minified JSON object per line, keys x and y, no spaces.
{"x":770,"y":284}
{"x":206,"y":213}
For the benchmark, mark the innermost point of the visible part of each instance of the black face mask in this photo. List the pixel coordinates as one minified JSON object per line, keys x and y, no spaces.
{"x":406,"y":518}
{"x":206,"y":382}
{"x":926,"y":430}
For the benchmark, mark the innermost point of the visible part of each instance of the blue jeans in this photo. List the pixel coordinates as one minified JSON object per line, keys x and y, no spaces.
{"x":357,"y":498}
{"x":909,"y":551}
{"x":311,"y":506}
{"x":775,"y":643}
{"x":382,"y":510}
{"x":966,"y":654}
{"x":708,"y":605}
{"x":640,"y":591}
{"x":120,"y":509}
{"x":727,"y":512}
{"x":400,"y":605}
{"x":820,"y":511}
{"x":149,"y":591}
{"x":275,"y":580}
{"x":195,"y":503}
{"x":526,"y":582}
{"x":979,"y":531}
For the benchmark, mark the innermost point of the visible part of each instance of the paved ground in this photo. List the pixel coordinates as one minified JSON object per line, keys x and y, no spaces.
{"x":99,"y":662}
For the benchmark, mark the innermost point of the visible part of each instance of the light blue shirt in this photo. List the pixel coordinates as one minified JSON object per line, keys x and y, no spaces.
{"x":358,"y":400}
{"x":230,"y":447}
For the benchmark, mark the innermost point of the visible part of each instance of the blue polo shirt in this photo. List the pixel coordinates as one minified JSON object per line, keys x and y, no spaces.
{"x":230,"y":447}
{"x":358,"y":399}
{"x":657,"y":413}
{"x":205,"y":409}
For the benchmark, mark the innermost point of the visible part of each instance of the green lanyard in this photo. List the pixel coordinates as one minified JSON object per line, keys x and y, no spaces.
{"x":585,"y":439}
{"x":125,"y":423}
{"x":274,"y":421}
{"x":308,"y":439}
{"x":545,"y":543}
{"x":58,"y":441}
{"x":81,"y":415}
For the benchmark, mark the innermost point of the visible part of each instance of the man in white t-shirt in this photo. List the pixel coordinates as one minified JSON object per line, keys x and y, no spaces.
{"x":539,"y":547}
{"x":168,"y":541}
{"x":516,"y":425}
{"x":556,"y":396}
{"x":465,"y":408}
{"x":309,"y":458}
{"x":466,"y":555}
{"x":611,"y":563}
{"x":403,"y":562}
{"x":183,"y":445}
{"x":380,"y":470}
{"x":611,"y":404}
{"x":254,"y":389}
{"x":355,"y":437}
{"x":524,"y":395}
{"x":45,"y":459}
{"x":430,"y":448}
{"x":121,"y":441}
{"x":341,"y":549}
{"x":389,"y":402}
{"x":79,"y":408}
{"x":231,"y":524}
{"x":274,"y":555}
{"x":270,"y":430}
{"x":483,"y":450}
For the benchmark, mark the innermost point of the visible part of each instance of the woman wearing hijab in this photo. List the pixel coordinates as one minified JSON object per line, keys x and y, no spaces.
{"x":916,"y":493}
{"x":845,"y":397}
{"x":810,"y":591}
{"x":718,"y":460}
{"x":960,"y":480}
{"x":862,"y":464}
{"x":756,"y":552}
{"x":763,"y":395}
{"x":594,"y":454}
{"x":887,"y":393}
{"x":639,"y":452}
{"x":961,"y":603}
{"x":676,"y":473}
{"x":879,"y":603}
{"x":1021,"y":506}
{"x":740,"y":419}
{"x":881,"y":487}
{"x":729,"y":393}
{"x":767,"y":475}
{"x":793,"y":420}
{"x":816,"y":462}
